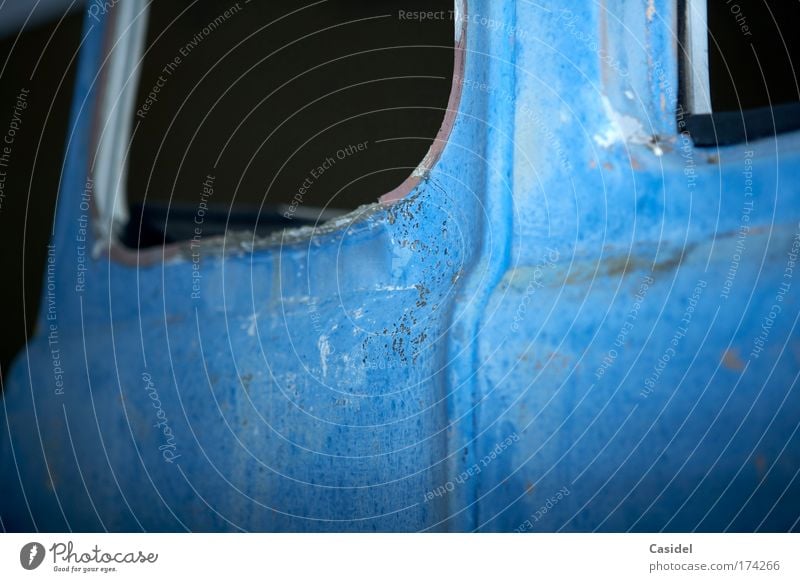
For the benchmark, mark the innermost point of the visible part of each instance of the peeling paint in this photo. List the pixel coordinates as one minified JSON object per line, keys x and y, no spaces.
{"x":621,"y":129}
{"x":325,"y":350}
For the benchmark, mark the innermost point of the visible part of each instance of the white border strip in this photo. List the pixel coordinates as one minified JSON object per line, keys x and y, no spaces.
{"x":699,"y":87}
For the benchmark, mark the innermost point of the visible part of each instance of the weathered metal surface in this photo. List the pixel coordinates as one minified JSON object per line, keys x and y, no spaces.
{"x":576,"y":321}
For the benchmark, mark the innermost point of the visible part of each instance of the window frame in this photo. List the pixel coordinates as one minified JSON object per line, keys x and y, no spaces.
{"x":706,"y":127}
{"x":112,"y":127}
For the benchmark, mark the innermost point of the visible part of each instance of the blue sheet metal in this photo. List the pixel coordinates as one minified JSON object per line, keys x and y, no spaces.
{"x":577,"y":321}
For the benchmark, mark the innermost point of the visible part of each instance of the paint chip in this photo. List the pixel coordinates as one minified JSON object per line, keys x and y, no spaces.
{"x":732,"y":361}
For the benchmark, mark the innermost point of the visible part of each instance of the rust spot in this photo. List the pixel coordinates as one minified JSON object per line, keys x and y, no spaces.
{"x":635,"y":164}
{"x":619,"y":265}
{"x":651,"y":10}
{"x":608,"y":166}
{"x":559,"y":359}
{"x":732,"y":361}
{"x":760,"y":462}
{"x":675,"y":260}
{"x":592,"y":164}
{"x":623,"y":265}
{"x":713,"y":159}
{"x":529,"y":487}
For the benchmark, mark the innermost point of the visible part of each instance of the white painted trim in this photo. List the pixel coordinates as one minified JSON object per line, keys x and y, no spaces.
{"x":115,"y":114}
{"x":698,"y":93}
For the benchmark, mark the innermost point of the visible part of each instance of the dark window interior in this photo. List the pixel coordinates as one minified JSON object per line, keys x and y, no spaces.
{"x":264,"y":97}
{"x":753,"y":52}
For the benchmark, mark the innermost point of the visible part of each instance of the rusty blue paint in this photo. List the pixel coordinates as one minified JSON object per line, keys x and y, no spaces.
{"x":561,"y":328}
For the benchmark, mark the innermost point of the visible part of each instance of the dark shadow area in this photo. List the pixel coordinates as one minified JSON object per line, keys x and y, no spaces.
{"x":36,"y":84}
{"x":753,"y":52}
{"x":291,"y":107}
